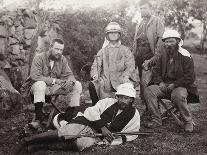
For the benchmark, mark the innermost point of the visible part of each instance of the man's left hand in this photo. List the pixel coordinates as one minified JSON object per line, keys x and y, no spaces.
{"x":68,"y":85}
{"x":145,"y":64}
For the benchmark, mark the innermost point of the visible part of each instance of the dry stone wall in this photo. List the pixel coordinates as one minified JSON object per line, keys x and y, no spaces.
{"x":16,"y":31}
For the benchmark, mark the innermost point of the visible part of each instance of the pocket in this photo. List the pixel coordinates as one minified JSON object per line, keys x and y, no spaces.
{"x":120,"y":64}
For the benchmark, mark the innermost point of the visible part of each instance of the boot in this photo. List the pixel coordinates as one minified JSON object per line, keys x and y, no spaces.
{"x":38,"y":111}
{"x":54,"y":146}
{"x":48,"y":136}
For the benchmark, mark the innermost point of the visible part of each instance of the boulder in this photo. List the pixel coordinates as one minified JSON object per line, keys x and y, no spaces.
{"x":15,"y":49}
{"x":12,"y":41}
{"x":30,"y":23}
{"x":28,"y":33}
{"x":3,"y":31}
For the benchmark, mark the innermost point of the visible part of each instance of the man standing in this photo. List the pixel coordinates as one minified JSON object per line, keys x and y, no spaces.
{"x":173,"y":78}
{"x":147,"y":40}
{"x":113,"y":65}
{"x":107,"y":116}
{"x":49,"y":75}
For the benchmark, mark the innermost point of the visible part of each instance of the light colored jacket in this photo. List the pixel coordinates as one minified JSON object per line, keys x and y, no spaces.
{"x":41,"y":70}
{"x":155,"y":30}
{"x":112,"y":64}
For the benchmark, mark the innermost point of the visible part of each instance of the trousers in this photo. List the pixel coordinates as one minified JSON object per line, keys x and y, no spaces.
{"x":39,"y":89}
{"x":178,"y":97}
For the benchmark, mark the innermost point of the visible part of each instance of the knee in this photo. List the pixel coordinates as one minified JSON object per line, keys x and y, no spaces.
{"x":147,"y":92}
{"x":179,"y":94}
{"x":39,"y":86}
{"x":78,"y":87}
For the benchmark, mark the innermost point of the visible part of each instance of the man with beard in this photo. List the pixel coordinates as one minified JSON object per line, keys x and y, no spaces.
{"x":173,"y":78}
{"x":107,"y":116}
{"x":147,"y":41}
{"x":49,"y":75}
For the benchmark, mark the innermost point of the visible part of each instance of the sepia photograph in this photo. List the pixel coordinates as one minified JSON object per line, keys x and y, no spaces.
{"x":103,"y":77}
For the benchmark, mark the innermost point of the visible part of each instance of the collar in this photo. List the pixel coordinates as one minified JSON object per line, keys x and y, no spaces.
{"x":115,"y":45}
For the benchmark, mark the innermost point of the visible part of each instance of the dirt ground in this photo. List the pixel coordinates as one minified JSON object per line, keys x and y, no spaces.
{"x":172,"y":139}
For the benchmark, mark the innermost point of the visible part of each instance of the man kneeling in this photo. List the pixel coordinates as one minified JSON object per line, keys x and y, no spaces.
{"x":107,"y":116}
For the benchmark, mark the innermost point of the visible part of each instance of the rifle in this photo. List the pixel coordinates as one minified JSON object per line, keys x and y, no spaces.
{"x":114,"y":133}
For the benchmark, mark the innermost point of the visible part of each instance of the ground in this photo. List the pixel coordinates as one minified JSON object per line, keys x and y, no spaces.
{"x":172,"y":139}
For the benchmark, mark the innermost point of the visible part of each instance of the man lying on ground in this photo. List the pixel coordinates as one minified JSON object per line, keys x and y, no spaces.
{"x":107,"y":116}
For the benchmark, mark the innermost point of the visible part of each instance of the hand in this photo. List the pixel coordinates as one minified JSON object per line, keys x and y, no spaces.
{"x":107,"y":134}
{"x":163,"y":87}
{"x":145,"y":65}
{"x":170,"y":87}
{"x":68,"y":85}
{"x":59,"y":82}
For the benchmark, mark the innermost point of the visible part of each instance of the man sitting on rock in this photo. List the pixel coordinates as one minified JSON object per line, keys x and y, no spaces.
{"x":107,"y":116}
{"x":49,"y":75}
{"x":173,"y":78}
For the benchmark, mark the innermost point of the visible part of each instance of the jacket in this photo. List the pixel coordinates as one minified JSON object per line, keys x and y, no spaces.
{"x":155,"y":29}
{"x":41,"y":71}
{"x":184,"y":70}
{"x":112,"y":64}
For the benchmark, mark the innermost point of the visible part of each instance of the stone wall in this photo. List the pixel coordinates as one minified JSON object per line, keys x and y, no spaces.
{"x":16,"y":31}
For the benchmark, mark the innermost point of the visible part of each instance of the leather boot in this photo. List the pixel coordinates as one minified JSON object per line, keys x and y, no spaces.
{"x":38,"y":111}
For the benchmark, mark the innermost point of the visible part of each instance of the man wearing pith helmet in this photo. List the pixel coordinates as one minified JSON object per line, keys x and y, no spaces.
{"x":108,"y":116}
{"x":112,"y":66}
{"x":173,"y":78}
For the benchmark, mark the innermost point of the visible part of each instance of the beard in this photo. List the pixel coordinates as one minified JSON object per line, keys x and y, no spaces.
{"x":172,"y":49}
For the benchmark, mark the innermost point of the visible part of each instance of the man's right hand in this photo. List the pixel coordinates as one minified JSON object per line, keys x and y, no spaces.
{"x":163,"y":87}
{"x":106,"y":133}
{"x":59,"y":82}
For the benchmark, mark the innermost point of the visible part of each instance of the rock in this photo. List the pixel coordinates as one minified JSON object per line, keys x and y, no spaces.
{"x":28,"y":33}
{"x":15,"y":49}
{"x":12,"y":41}
{"x":27,"y":42}
{"x":3,"y":31}
{"x":30,"y":23}
{"x":19,"y":32}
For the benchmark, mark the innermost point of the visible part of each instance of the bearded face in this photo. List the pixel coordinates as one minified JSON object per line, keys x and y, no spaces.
{"x":171,"y":44}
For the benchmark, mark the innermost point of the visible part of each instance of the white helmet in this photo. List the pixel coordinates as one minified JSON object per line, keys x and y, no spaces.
{"x":126,"y":89}
{"x":113,"y":27}
{"x":170,"y":34}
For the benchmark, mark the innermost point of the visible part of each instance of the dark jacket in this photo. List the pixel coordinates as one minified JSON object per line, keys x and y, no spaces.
{"x":184,"y":71}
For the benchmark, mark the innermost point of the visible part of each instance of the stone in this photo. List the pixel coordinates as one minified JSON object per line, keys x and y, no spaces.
{"x":12,"y":41}
{"x":11,"y":31}
{"x":3,"y":31}
{"x":27,"y":42}
{"x":28,"y":33}
{"x":30,"y":23}
{"x":15,"y":49}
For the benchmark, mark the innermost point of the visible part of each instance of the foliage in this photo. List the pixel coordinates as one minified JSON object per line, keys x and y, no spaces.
{"x":83,"y":32}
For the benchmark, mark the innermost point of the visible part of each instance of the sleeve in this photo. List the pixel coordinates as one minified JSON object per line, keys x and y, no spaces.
{"x":156,"y":72}
{"x":160,"y":28}
{"x":97,"y":64}
{"x":66,"y":73}
{"x":188,"y":77}
{"x":132,"y":126}
{"x":36,"y":72}
{"x":93,"y":113}
{"x":129,"y":63}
